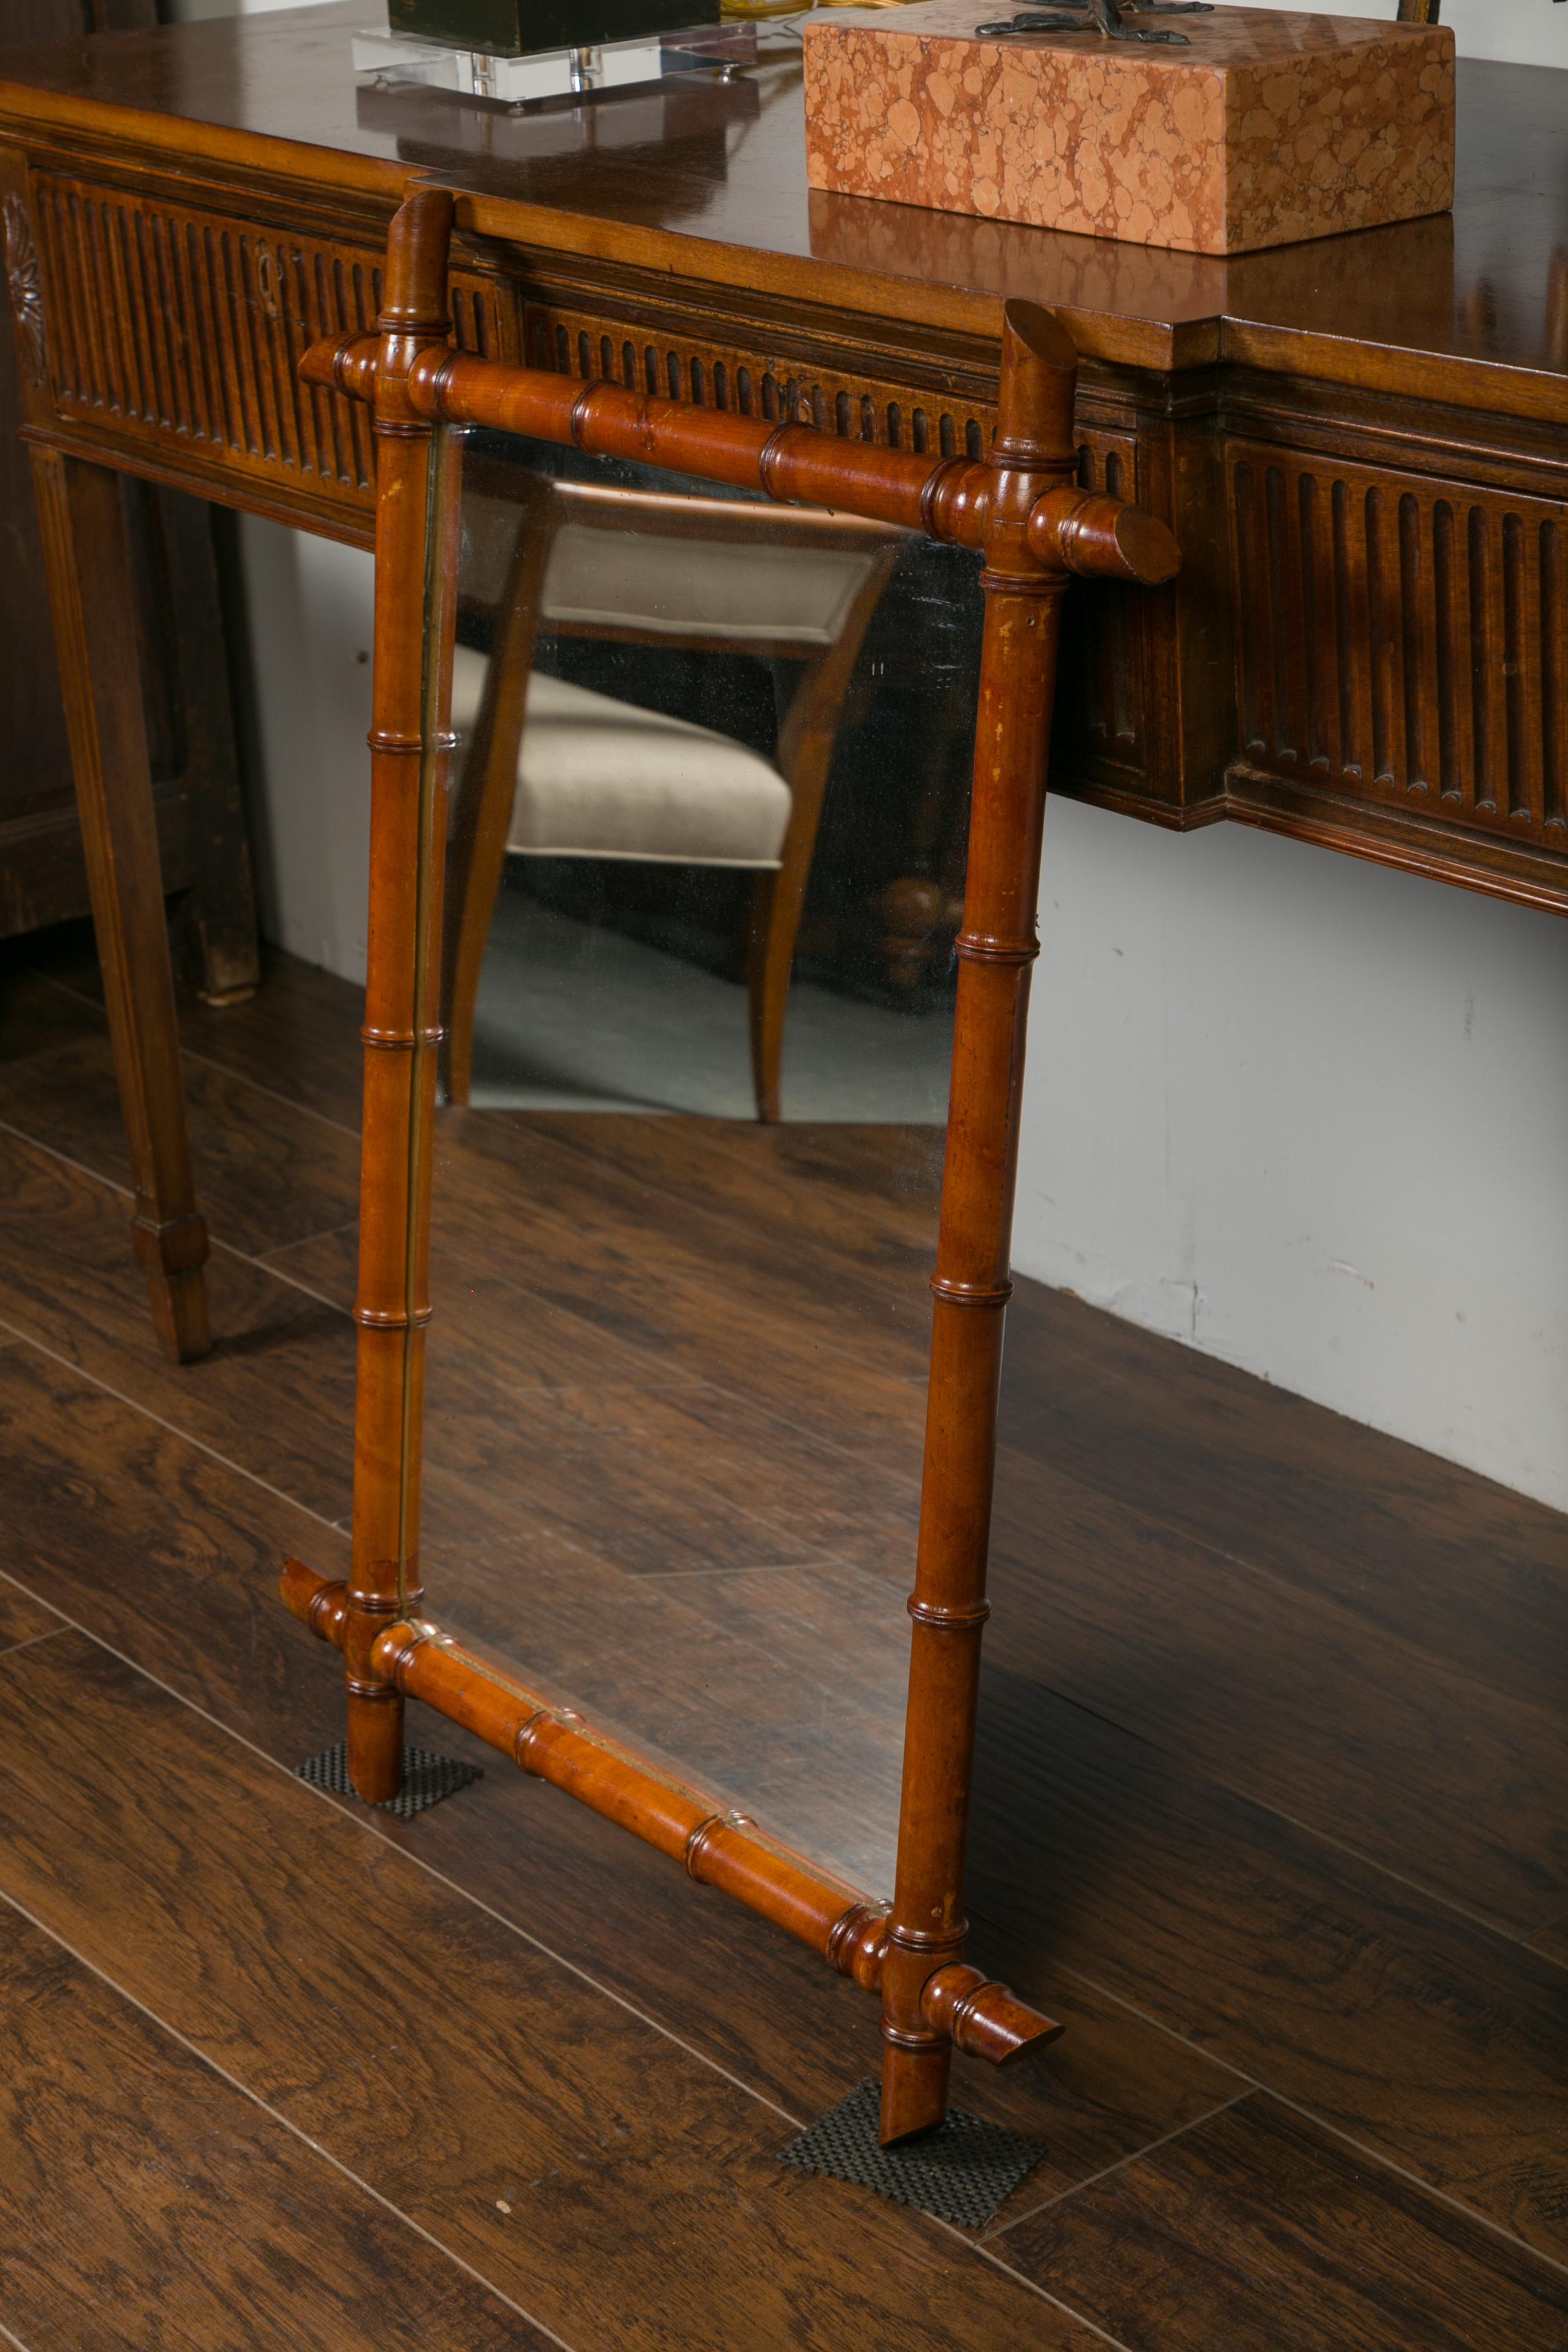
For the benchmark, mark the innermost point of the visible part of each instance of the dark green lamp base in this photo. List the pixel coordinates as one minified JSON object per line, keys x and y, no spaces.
{"x":519,"y":29}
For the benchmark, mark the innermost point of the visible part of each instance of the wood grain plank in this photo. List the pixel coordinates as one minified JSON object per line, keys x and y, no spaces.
{"x":536,"y":2126}
{"x":1554,"y":1942}
{"x":264,"y":1180}
{"x":22,"y":1617}
{"x":136,"y":2183}
{"x":1383,"y":2010}
{"x":664,"y":1484}
{"x":1465,"y":1569}
{"x":487,"y":1320}
{"x":1423,"y":2034}
{"x":298,"y":1036}
{"x":1412,"y":2029}
{"x":865,"y":1196}
{"x":173,"y":1559}
{"x":1259,"y":2231}
{"x":485,"y":1158}
{"x":173,"y":1555}
{"x":277,"y":1392}
{"x":1284,"y":1693}
{"x":566,"y":1429}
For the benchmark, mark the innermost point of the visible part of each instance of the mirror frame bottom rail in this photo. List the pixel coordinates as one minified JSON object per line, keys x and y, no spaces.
{"x":1024,"y":510}
{"x":717,"y":1846}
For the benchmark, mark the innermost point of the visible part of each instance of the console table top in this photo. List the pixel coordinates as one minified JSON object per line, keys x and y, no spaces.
{"x":707,"y":179}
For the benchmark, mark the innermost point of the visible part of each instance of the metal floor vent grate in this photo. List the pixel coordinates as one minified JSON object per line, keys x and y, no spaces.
{"x":426,"y":1778}
{"x":965,"y":2171}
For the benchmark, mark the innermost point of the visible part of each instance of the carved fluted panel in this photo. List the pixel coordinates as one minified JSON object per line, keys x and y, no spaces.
{"x":746,"y":380}
{"x":188,"y":328}
{"x":1102,"y":696}
{"x":1401,"y":640}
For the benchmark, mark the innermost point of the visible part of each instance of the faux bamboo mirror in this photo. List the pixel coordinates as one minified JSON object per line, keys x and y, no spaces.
{"x":668,"y":691}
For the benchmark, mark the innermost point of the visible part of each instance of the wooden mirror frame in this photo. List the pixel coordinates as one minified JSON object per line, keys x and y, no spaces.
{"x":1024,"y":510}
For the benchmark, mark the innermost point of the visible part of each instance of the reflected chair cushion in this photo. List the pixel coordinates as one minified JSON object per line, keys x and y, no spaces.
{"x":799,"y":596}
{"x":597,"y":778}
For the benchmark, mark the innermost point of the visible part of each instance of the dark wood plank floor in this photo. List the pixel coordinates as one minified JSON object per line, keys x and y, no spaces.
{"x":1270,"y":1808}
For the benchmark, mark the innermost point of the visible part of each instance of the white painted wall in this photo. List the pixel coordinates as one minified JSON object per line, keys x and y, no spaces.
{"x":1304,"y":1114}
{"x":1308,"y":1114}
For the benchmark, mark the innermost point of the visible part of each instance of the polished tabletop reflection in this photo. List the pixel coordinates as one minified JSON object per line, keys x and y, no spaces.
{"x":723,"y":160}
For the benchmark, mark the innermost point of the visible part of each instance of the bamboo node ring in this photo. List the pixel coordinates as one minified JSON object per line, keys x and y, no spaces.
{"x":766,"y":455}
{"x":960,"y":1619}
{"x":697,"y":1844}
{"x":579,"y":420}
{"x":434,"y":388}
{"x":524,"y":1734}
{"x":902,"y":2038}
{"x":404,"y":746}
{"x":937,"y":481}
{"x":971,"y":1294}
{"x":978,"y":947}
{"x":857,"y":1942}
{"x":324,"y":1605}
{"x":567,"y":1717}
{"x":378,"y":1691}
{"x":926,"y":1940}
{"x":391,"y":1319}
{"x":374,"y":1604}
{"x":393,"y":1650}
{"x":400,"y":1039}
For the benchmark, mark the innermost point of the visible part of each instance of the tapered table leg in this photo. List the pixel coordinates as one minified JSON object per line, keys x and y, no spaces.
{"x":94,"y":617}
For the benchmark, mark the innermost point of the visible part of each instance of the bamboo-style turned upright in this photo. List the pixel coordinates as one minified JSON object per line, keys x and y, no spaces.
{"x":417,"y":516}
{"x":1034,"y":454}
{"x":1024,"y":510}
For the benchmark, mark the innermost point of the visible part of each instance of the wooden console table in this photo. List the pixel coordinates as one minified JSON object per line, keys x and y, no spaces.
{"x":1359,"y":443}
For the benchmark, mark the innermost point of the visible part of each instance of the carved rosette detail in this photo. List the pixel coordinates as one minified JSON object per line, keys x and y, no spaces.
{"x":23,"y":278}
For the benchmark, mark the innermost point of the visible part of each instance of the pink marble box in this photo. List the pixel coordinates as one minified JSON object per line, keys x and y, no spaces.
{"x":1268,"y":129}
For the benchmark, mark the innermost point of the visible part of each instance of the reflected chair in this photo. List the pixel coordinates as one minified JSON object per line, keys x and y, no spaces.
{"x":551,"y":768}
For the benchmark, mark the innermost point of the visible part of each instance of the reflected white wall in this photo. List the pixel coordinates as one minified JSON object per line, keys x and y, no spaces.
{"x":310,"y":603}
{"x":1310,"y":1116}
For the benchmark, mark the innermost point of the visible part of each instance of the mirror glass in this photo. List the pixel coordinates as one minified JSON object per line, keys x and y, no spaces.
{"x":704,"y":873}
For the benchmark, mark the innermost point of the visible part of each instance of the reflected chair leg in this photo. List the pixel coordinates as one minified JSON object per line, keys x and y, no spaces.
{"x":486,"y":787}
{"x":805,"y":756}
{"x":90,"y":596}
{"x":778,"y":896}
{"x":477,"y":864}
{"x":418,"y":488}
{"x":1033,"y":453}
